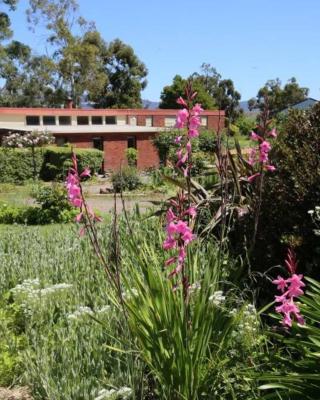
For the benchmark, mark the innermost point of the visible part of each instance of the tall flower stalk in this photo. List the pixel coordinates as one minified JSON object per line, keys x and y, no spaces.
{"x":181,"y":213}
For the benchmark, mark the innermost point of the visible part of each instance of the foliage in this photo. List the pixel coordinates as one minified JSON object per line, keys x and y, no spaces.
{"x":279,"y":98}
{"x":57,"y":161}
{"x":28,"y":139}
{"x":212,"y":91}
{"x":245,"y":125}
{"x":164,"y":141}
{"x":19,"y":165}
{"x":49,"y":163}
{"x":295,"y":189}
{"x":125,"y":179}
{"x":132,"y":156}
{"x":171,"y":92}
{"x":207,"y":141}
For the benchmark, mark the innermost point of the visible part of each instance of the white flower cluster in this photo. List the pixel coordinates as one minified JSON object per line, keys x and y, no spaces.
{"x":28,"y":139}
{"x":217,"y":298}
{"x":84,"y":311}
{"x":122,"y":393}
{"x":249,"y":323}
{"x":194,"y":287}
{"x":30,"y":289}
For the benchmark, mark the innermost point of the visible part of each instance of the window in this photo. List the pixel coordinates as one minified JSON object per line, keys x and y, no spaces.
{"x":149,"y":121}
{"x":83,"y":120}
{"x":204,"y":121}
{"x":64,"y":120}
{"x":133,"y":120}
{"x":169,"y":122}
{"x":111,"y":120}
{"x":49,"y":120}
{"x":33,"y":120}
{"x":96,"y":120}
{"x":132,"y":143}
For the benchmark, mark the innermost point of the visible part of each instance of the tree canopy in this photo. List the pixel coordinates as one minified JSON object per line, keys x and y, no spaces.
{"x":81,"y":63}
{"x":212,"y":91}
{"x":279,"y":97}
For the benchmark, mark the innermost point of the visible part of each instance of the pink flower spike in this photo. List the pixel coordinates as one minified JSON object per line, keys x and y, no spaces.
{"x":255,"y":137}
{"x":193,"y":133}
{"x":189,"y":147}
{"x":281,"y":283}
{"x":185,"y":171}
{"x":182,"y":255}
{"x":182,"y":118}
{"x":273,"y":133}
{"x":169,"y":243}
{"x":197,"y":108}
{"x":176,"y":270}
{"x":177,"y":140}
{"x":170,"y":261}
{"x":86,"y":172}
{"x":253,"y":177}
{"x":192,"y":211}
{"x":270,"y":168}
{"x":182,"y":102}
{"x":79,"y":217}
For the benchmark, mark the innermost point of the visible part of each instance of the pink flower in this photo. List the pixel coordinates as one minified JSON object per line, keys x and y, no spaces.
{"x":270,"y":168}
{"x":255,"y":137}
{"x":182,"y":118}
{"x":85,"y":173}
{"x":182,"y":102}
{"x":295,"y":285}
{"x":281,"y":283}
{"x":189,"y":147}
{"x":265,"y":146}
{"x":273,"y":133}
{"x":177,"y":140}
{"x":197,"y":109}
{"x":170,"y":215}
{"x":169,"y":243}
{"x":252,"y":156}
{"x":192,"y":211}
{"x":170,"y":261}
{"x":192,"y":133}
{"x":253,"y":177}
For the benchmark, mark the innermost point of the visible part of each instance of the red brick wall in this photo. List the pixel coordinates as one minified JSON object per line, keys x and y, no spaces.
{"x":141,"y":120}
{"x":115,"y":146}
{"x":216,"y":122}
{"x":158,"y":120}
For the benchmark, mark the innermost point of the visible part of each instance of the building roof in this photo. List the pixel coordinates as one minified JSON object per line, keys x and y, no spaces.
{"x":97,"y":111}
{"x":302,"y":105}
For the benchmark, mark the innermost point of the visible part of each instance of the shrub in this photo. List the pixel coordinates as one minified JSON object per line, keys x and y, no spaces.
{"x":207,"y":141}
{"x":126,"y":179}
{"x":19,"y":165}
{"x":49,"y":163}
{"x":132,"y":156}
{"x":292,"y":190}
{"x":57,"y":161}
{"x":164,"y":142}
{"x":54,"y":208}
{"x":245,"y":124}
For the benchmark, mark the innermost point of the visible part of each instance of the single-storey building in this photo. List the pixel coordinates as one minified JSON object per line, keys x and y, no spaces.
{"x":110,"y":130}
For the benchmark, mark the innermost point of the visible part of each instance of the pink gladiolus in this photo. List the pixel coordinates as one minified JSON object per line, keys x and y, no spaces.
{"x":86,"y":173}
{"x":169,"y":243}
{"x":192,"y":211}
{"x":253,"y":177}
{"x":188,"y":146}
{"x":265,"y":146}
{"x":270,"y":168}
{"x":182,"y":102}
{"x":182,"y":118}
{"x":255,"y":137}
{"x":197,"y":109}
{"x":170,"y":261}
{"x":290,"y":288}
{"x":193,"y":133}
{"x":252,"y":156}
{"x":281,"y":283}
{"x":177,"y":140}
{"x":273,"y":133}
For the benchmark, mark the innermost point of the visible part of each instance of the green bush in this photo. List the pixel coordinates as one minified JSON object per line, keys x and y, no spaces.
{"x":47,"y":163}
{"x":57,"y":161}
{"x":132,"y":156}
{"x":126,"y":179}
{"x":19,"y":165}
{"x":164,"y":142}
{"x":207,"y":141}
{"x":53,"y":208}
{"x":291,"y":192}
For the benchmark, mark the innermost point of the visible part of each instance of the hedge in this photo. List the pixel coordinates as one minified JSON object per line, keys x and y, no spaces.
{"x":47,"y":163}
{"x":57,"y":161}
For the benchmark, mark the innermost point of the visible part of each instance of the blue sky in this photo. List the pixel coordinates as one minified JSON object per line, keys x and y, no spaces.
{"x":249,"y":41}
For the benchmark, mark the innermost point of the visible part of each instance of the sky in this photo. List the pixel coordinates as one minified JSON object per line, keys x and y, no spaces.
{"x":248,"y":41}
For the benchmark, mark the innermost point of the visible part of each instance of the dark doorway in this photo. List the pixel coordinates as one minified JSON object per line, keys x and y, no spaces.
{"x":132,"y":142}
{"x":98,"y":144}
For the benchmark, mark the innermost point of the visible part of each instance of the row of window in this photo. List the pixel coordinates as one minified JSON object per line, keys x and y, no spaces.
{"x":98,"y":120}
{"x":66,"y":120}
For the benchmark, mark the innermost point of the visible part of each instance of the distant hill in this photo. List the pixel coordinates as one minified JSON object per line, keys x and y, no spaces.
{"x":150,"y":104}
